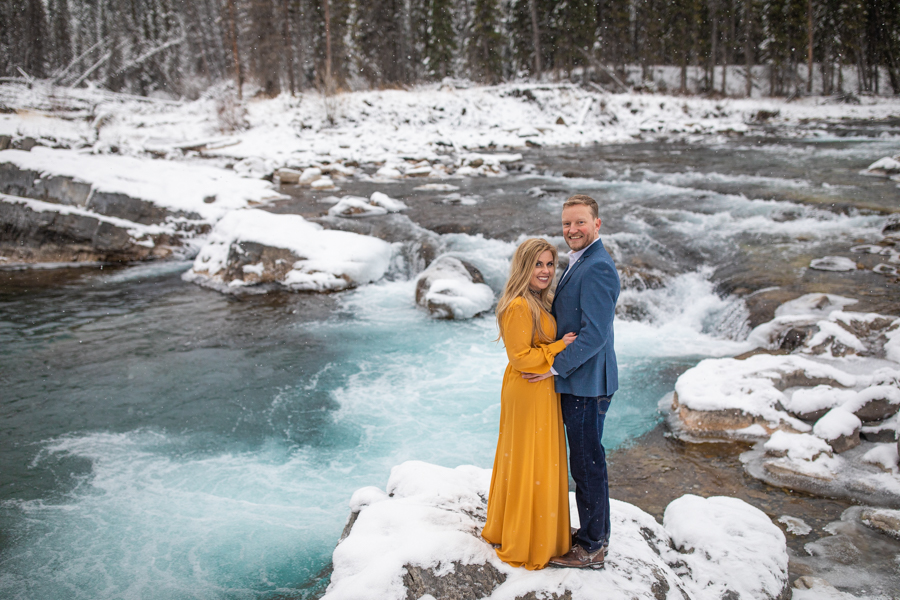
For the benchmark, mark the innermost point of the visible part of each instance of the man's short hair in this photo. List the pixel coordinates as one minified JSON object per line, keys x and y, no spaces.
{"x":583,"y":200}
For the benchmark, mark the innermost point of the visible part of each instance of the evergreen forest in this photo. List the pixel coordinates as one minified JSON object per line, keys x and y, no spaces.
{"x":182,"y":47}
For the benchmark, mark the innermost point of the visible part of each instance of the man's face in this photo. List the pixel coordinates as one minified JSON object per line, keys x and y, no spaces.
{"x":580,"y":228}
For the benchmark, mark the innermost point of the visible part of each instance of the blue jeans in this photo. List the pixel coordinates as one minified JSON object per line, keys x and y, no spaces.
{"x":583,"y":418}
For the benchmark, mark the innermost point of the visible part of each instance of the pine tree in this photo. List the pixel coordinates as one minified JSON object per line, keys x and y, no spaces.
{"x":266,"y":42}
{"x":573,"y":32}
{"x":614,"y":26}
{"x":381,"y":41}
{"x":439,"y":38}
{"x":485,"y":60}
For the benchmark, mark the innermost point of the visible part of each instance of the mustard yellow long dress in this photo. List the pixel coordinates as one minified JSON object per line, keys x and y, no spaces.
{"x":528,"y":505}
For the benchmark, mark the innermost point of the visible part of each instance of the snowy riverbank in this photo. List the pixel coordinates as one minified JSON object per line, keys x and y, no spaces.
{"x":397,"y":127}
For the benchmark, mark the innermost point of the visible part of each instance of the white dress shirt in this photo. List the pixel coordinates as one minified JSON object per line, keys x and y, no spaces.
{"x":574,"y":257}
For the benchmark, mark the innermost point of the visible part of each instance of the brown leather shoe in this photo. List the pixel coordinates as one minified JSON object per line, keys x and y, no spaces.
{"x":579,"y":558}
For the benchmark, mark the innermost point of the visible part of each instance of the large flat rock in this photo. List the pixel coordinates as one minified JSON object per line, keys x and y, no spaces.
{"x":422,"y":536}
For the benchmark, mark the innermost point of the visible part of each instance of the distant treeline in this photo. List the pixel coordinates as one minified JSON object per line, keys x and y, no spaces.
{"x":183,"y":46}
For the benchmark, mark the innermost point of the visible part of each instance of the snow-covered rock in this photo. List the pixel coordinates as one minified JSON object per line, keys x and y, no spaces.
{"x":254,"y":167}
{"x":309,"y":176}
{"x":453,"y":289}
{"x":64,"y":206}
{"x":378,"y":203}
{"x":840,"y":428}
{"x":800,"y":446}
{"x":255,"y":249}
{"x":389,"y":204}
{"x":421,"y":536}
{"x":832,"y":263}
{"x":875,"y":403}
{"x":884,"y":167}
{"x":286,"y":175}
{"x":323,"y":183}
{"x":838,"y":390}
{"x":141,"y":190}
{"x":355,"y":207}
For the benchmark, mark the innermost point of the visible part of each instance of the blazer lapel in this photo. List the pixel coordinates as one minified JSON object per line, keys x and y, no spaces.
{"x":568,"y":274}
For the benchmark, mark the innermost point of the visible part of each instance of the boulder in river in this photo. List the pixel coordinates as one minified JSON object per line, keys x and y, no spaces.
{"x":422,"y":536}
{"x":451,"y":288}
{"x":254,"y":250}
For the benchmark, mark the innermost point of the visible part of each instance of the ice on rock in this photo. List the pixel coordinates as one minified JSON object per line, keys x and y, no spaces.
{"x":421,"y":538}
{"x":795,"y":526}
{"x":294,"y":254}
{"x":833,"y":263}
{"x":816,"y":588}
{"x":884,"y":520}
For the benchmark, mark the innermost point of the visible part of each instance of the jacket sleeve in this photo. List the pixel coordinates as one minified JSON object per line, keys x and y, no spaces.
{"x":599,"y":293}
{"x":518,"y":336}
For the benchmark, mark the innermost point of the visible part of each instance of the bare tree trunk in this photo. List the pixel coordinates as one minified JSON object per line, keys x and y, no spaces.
{"x":288,"y":42}
{"x":809,"y":49}
{"x":714,"y":43}
{"x":232,"y":28}
{"x":729,"y":47}
{"x":748,"y":50}
{"x":328,"y":83}
{"x":536,"y":38}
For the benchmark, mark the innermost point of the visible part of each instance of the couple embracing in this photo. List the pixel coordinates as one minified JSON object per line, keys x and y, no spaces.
{"x":554,"y":380}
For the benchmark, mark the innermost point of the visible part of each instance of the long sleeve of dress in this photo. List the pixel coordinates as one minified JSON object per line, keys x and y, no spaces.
{"x":518,"y":335}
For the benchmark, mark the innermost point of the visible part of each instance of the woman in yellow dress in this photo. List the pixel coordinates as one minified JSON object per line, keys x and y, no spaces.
{"x":528,"y":505}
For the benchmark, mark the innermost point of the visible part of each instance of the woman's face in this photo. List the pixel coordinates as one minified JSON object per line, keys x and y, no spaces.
{"x":542,"y":275}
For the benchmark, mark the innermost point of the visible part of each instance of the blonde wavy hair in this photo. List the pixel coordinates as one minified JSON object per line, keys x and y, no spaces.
{"x":520,"y":271}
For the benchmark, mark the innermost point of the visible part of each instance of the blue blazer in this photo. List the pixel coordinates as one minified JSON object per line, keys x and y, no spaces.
{"x":585,"y":302}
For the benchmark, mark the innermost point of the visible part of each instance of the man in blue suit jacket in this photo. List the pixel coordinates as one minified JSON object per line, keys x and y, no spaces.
{"x":586,"y":373}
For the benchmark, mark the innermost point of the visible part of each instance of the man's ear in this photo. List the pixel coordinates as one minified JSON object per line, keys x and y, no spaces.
{"x":599,"y":222}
